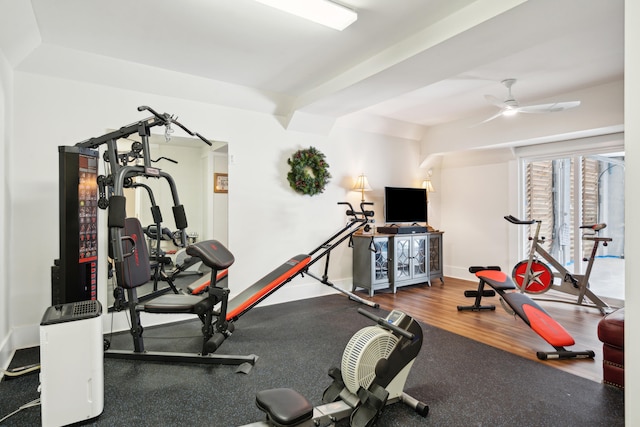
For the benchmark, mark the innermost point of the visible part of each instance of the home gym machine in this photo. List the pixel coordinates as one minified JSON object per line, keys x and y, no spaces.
{"x":374,"y":368}
{"x":519,"y":304}
{"x":535,"y":277}
{"x":128,"y":246}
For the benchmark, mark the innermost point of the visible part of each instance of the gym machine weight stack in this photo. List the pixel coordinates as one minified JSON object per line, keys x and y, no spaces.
{"x":74,"y":275}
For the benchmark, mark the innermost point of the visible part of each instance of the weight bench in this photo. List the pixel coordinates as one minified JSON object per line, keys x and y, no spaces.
{"x":525,"y":308}
{"x":134,"y":272}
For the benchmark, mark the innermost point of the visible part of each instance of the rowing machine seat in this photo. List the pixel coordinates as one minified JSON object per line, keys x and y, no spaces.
{"x":284,"y":407}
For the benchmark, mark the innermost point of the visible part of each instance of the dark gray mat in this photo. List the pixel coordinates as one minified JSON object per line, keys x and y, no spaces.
{"x":463,"y":382}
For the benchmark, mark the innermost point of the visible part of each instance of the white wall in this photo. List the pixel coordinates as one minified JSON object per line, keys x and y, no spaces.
{"x":6,"y":101}
{"x":268,"y":222}
{"x":474,"y":196}
{"x":632,"y":206}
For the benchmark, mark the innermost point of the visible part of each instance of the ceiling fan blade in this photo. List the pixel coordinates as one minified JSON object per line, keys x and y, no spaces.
{"x":495,"y":116}
{"x":548,"y":108}
{"x":495,"y":101}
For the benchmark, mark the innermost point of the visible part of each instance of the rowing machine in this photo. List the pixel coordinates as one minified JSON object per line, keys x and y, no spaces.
{"x":375,"y":365}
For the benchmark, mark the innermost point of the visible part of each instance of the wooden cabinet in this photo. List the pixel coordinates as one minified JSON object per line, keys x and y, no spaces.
{"x":390,"y":261}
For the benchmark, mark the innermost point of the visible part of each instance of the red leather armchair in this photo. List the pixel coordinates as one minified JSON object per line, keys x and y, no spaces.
{"x":611,"y":333}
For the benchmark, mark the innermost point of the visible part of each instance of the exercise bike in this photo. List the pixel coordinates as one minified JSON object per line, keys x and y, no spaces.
{"x":535,"y":277}
{"x":374,"y":368}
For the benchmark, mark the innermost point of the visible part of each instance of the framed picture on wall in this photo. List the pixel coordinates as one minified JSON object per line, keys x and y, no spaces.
{"x":220,"y":183}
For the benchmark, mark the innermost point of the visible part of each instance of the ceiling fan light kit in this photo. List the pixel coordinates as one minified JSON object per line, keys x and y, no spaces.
{"x":511,"y":107}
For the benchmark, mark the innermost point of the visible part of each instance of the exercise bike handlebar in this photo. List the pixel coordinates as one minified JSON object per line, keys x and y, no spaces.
{"x":513,"y":220}
{"x":383,"y":323}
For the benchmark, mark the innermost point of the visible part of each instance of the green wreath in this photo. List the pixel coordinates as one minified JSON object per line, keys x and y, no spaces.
{"x":309,"y":171}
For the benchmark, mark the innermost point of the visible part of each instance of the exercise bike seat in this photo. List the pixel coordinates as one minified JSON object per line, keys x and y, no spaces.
{"x":284,"y":407}
{"x":212,"y":253}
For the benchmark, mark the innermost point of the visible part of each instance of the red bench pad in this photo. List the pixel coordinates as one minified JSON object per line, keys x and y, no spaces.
{"x":539,"y":320}
{"x":266,"y":286}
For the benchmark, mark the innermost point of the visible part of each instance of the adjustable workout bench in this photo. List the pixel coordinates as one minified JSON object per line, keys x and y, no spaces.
{"x":525,"y":308}
{"x":297,"y":265}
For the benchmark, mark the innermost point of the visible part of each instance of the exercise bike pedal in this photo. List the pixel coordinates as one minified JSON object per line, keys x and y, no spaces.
{"x":485,"y":293}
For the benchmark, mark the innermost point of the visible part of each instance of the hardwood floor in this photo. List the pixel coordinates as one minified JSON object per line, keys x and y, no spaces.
{"x":437,"y":306}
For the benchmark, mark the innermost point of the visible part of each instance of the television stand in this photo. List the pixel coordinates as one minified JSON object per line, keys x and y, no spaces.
{"x":390,"y":261}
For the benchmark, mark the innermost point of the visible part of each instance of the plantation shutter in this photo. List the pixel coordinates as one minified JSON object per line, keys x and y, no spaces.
{"x":590,"y":173}
{"x":540,"y":199}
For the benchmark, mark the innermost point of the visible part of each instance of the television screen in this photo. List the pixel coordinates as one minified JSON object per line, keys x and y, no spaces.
{"x":402,"y":205}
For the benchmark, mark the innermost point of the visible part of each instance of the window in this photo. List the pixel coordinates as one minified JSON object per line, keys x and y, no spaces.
{"x":569,"y":191}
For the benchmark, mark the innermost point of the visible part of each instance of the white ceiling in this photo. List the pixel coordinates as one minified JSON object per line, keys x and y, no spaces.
{"x":411,"y":63}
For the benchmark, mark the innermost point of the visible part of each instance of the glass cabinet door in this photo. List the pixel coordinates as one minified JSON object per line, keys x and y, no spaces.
{"x":402,"y":258}
{"x":419,"y":256}
{"x":435,"y":243}
{"x":381,"y":261}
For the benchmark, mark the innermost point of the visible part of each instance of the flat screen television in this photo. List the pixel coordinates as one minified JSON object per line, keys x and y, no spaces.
{"x":405,"y":205}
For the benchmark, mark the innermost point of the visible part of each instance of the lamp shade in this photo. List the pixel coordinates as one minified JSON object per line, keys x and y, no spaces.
{"x":362,"y":184}
{"x":427,"y":185}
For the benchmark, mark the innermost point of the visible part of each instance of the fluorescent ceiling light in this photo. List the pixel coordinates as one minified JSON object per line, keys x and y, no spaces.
{"x":323,"y":12}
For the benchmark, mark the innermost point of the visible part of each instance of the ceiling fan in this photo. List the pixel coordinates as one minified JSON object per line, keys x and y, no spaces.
{"x":510,"y":106}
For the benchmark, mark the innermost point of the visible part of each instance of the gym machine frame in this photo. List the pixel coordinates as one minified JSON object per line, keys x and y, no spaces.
{"x":113,"y":184}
